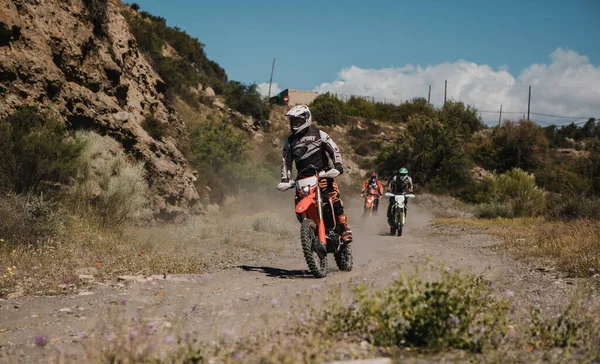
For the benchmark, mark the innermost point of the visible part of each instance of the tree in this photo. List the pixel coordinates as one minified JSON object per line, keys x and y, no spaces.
{"x":328,"y":110}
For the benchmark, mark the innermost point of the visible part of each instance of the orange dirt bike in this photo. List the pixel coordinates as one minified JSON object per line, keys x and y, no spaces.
{"x":318,"y":223}
{"x":369,"y":207}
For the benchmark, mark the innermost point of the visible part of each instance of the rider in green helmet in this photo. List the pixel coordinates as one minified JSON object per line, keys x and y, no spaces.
{"x":400,"y":183}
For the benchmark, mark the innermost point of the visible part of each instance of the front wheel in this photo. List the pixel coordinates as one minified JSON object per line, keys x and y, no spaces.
{"x":317,"y":262}
{"x":343,"y":258}
{"x":401,"y":222}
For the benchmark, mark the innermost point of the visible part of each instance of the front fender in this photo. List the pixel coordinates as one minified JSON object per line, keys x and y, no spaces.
{"x":304,"y":205}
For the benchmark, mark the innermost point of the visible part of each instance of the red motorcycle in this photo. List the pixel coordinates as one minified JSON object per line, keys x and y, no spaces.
{"x":318,"y":233}
{"x":369,"y":208}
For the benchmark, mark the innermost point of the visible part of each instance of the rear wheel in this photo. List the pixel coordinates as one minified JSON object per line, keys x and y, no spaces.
{"x":317,"y":262}
{"x":343,"y":258}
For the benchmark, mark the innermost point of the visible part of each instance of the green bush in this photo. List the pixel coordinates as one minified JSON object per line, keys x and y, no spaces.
{"x":151,"y":33}
{"x":29,"y":218}
{"x":328,"y":110}
{"x":455,"y":311}
{"x":527,"y":199}
{"x":247,"y":100}
{"x":431,"y":153}
{"x":570,"y":207}
{"x":462,"y":119}
{"x":513,"y":145}
{"x":495,"y":209}
{"x":110,"y":187}
{"x":217,"y":144}
{"x":36,"y":151}
{"x":154,"y":127}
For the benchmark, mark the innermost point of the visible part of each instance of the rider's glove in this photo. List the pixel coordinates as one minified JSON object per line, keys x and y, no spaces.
{"x":339,"y":167}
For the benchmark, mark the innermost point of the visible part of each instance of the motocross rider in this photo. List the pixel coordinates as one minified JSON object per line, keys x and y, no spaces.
{"x":309,"y":146}
{"x":373,"y":186}
{"x":399,"y":184}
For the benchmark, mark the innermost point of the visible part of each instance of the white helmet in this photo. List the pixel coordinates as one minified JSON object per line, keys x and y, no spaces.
{"x":300,"y":118}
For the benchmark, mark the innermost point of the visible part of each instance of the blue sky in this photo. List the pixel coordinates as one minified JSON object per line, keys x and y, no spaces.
{"x":314,"y":41}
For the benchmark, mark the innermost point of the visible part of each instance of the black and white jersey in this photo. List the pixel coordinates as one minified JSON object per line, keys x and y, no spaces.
{"x":399,"y":185}
{"x":314,"y":147}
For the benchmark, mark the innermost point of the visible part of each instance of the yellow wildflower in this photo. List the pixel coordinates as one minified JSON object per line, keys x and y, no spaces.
{"x":14,"y":267}
{"x":14,"y":251}
{"x":1,"y":240}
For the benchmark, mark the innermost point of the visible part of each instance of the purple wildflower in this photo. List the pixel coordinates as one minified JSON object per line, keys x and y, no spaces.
{"x":592,"y":270}
{"x":227,"y":332}
{"x":123,"y":302}
{"x":316,"y":287}
{"x":238,"y":356}
{"x":448,"y":269}
{"x":345,"y":335}
{"x":40,"y":340}
{"x":274,"y":302}
{"x":455,"y":320}
{"x":510,"y":293}
{"x":302,"y":319}
{"x":132,"y":335}
{"x":395,"y":275}
{"x":169,"y":339}
{"x":298,"y":293}
{"x":82,"y":335}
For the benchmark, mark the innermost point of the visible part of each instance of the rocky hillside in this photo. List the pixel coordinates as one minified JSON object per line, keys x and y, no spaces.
{"x":52,"y":57}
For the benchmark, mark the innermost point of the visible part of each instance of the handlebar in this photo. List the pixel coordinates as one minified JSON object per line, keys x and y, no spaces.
{"x":332,"y":173}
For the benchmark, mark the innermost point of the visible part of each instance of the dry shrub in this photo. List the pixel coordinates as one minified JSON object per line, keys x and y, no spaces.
{"x":109,"y":185}
{"x":28,"y":218}
{"x":573,"y":247}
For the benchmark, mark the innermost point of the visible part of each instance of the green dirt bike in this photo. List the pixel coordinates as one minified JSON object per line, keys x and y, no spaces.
{"x":398,"y":212}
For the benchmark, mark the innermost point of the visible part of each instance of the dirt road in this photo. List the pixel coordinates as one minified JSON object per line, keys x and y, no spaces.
{"x":249,"y":296}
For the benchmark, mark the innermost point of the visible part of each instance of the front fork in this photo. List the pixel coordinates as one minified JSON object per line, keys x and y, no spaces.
{"x":321,"y":222}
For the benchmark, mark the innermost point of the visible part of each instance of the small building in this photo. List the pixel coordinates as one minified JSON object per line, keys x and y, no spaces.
{"x":293,"y":97}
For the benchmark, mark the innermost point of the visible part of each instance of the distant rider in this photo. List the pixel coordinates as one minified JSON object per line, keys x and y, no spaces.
{"x":309,"y":146}
{"x":373,"y":186}
{"x":399,"y":184}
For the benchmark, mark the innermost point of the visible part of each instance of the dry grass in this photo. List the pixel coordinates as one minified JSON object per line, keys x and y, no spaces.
{"x":341,"y":325}
{"x":63,"y":263}
{"x":573,"y":247}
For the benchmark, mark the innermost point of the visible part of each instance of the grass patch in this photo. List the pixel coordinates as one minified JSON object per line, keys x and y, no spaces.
{"x":450,"y":315}
{"x":573,"y":247}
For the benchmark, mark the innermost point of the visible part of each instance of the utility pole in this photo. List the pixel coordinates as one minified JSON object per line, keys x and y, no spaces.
{"x":271,"y":79}
{"x":445,"y":89}
{"x":429,"y":95}
{"x":529,"y":103}
{"x":500,"y":117}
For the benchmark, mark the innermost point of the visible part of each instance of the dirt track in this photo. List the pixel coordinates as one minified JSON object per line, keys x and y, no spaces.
{"x":250,"y":296}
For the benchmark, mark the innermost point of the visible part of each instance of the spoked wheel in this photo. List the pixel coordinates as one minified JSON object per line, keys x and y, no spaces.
{"x":401,"y":222}
{"x":317,"y":262}
{"x":343,"y":258}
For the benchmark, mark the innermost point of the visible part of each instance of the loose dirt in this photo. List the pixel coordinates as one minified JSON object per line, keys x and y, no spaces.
{"x":255,"y":295}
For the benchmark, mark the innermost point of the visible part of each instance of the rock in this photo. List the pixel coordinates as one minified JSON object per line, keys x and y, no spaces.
{"x":275,"y":142}
{"x":86,"y":271}
{"x":65,"y":310}
{"x":85,"y":293}
{"x":209,"y":92}
{"x":219,"y":105}
{"x":259,"y":137}
{"x":105,"y":85}
{"x":364,"y":361}
{"x":121,"y":116}
{"x":86,"y":277}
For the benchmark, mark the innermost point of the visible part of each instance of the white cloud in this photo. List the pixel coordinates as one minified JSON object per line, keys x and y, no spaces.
{"x":569,"y":85}
{"x":263,"y":89}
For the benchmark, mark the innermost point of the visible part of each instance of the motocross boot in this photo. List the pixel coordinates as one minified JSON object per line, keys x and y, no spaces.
{"x":342,"y":222}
